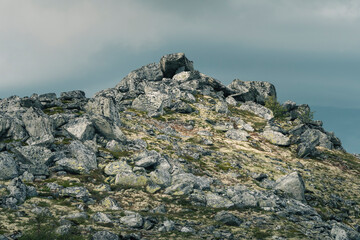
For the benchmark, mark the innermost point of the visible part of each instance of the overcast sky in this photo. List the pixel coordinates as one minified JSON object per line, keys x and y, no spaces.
{"x":308,"y":49}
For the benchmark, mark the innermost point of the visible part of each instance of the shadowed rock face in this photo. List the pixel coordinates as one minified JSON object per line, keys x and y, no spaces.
{"x":175,"y":63}
{"x":170,"y":151}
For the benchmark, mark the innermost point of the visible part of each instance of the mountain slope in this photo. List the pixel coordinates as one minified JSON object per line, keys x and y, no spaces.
{"x":170,"y":153}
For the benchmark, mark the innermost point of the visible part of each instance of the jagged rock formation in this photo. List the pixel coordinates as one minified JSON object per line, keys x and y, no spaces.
{"x":171,"y":153}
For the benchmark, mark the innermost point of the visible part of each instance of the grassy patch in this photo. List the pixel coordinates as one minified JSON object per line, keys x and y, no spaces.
{"x":53,"y":110}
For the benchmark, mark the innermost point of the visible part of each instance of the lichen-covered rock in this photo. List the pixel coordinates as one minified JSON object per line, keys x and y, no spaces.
{"x":237,"y":134}
{"x":216,"y":201}
{"x":35,"y":154}
{"x":132,"y":219}
{"x":258,"y":110}
{"x":153,"y":103}
{"x":76,"y":94}
{"x":276,"y":138}
{"x":8,"y":166}
{"x":105,"y":235}
{"x":252,"y":91}
{"x":80,"y":128}
{"x":131,"y":179}
{"x":292,"y":184}
{"x":101,"y":217}
{"x":110,"y":204}
{"x":83,"y":160}
{"x":228,"y":219}
{"x":107,"y":128}
{"x":39,"y":127}
{"x":77,"y":192}
{"x":117,"y":167}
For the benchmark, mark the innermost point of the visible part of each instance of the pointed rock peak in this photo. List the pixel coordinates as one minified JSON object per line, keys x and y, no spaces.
{"x":171,"y":64}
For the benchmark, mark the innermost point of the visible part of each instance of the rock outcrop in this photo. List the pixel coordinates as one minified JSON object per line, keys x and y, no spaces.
{"x":170,"y":152}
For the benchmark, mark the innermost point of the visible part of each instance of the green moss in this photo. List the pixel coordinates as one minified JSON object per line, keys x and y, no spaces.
{"x":53,"y":110}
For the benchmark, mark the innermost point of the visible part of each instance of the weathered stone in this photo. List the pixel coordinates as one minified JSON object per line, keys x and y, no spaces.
{"x":77,"y":94}
{"x":161,"y":177}
{"x":258,"y":110}
{"x":171,"y":63}
{"x":35,"y":154}
{"x":107,"y":128}
{"x":216,"y":201}
{"x":293,"y":185}
{"x":132,"y":219}
{"x":117,"y":167}
{"x":221,"y":107}
{"x":80,"y":128}
{"x":152,"y":103}
{"x":8,"y":166}
{"x":104,"y":107}
{"x":39,"y":127}
{"x":100,"y":217}
{"x":110,"y":204}
{"x":237,"y":134}
{"x":252,"y":91}
{"x":77,"y":192}
{"x":105,"y":235}
{"x":228,"y":219}
{"x":83,"y":159}
{"x":276,"y":138}
{"x":130,"y":179}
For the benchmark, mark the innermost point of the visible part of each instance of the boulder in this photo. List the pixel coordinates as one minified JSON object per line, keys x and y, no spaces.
{"x":173,"y":63}
{"x":8,"y":166}
{"x":130,"y":179}
{"x":107,"y":128}
{"x":133,"y":83}
{"x":258,"y":110}
{"x":228,"y":219}
{"x":152,"y":103}
{"x":253,"y":91}
{"x":39,"y":127}
{"x":237,"y":134}
{"x":35,"y":155}
{"x":80,"y":128}
{"x":77,"y":94}
{"x":276,"y":138}
{"x":216,"y":201}
{"x":76,"y":192}
{"x":100,"y":217}
{"x":110,"y":204}
{"x":105,"y":235}
{"x":103,"y":106}
{"x":293,"y":185}
{"x":83,"y":159}
{"x":117,"y":167}
{"x":132,"y":219}
{"x":221,"y":107}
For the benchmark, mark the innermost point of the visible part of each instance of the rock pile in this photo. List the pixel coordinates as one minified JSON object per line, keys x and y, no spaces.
{"x":167,"y":141}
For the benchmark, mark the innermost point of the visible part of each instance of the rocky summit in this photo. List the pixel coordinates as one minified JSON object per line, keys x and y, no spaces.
{"x":171,"y":153}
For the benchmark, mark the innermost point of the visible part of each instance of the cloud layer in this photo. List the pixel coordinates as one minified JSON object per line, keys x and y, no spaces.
{"x":61,"y":45}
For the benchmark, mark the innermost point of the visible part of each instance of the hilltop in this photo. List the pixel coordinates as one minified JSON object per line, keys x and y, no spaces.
{"x":171,"y":153}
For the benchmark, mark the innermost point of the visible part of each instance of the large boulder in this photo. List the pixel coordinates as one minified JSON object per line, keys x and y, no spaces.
{"x":76,"y":94}
{"x":152,"y":103}
{"x":80,"y":128}
{"x":103,"y":106}
{"x":228,"y":218}
{"x":118,"y":167}
{"x":82,"y":160}
{"x":254,"y":91}
{"x":237,"y":134}
{"x":8,"y":166}
{"x":276,"y":137}
{"x":258,"y":110}
{"x":39,"y":127}
{"x":176,"y":62}
{"x":108,"y":128}
{"x":105,"y":235}
{"x":133,"y":84}
{"x":292,"y":184}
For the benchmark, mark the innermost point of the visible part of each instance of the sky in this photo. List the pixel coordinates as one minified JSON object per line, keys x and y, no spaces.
{"x":308,"y":49}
